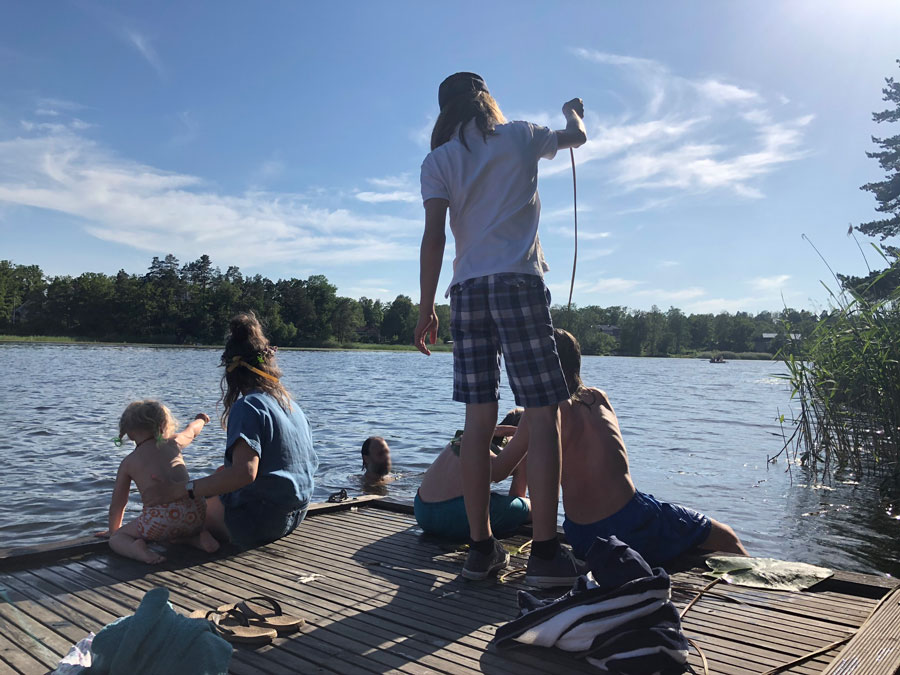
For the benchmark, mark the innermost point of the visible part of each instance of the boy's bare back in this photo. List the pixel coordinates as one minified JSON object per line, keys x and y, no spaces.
{"x":596,"y":481}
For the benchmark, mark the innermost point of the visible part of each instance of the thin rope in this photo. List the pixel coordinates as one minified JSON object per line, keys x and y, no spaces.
{"x":702,"y":656}
{"x":575,"y":208}
{"x":699,"y":595}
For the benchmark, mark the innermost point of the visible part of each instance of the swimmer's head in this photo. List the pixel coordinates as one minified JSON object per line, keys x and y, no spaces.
{"x":143,"y":419}
{"x":569,"y":358}
{"x":376,"y":456}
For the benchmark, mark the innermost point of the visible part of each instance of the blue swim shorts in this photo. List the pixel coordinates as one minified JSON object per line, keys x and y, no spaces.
{"x":259,"y":522}
{"x":448,"y":518}
{"x":657,"y":530}
{"x":508,"y":314}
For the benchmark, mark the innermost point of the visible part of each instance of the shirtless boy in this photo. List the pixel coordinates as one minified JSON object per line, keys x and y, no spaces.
{"x":156,"y":455}
{"x":439,"y":506}
{"x":599,"y":496}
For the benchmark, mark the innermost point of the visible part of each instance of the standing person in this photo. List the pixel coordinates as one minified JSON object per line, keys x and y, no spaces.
{"x":484,"y":170}
{"x":157,"y":451}
{"x":262,"y":492}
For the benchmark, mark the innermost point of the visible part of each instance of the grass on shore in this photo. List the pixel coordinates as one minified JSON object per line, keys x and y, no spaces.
{"x":51,"y":339}
{"x":335,"y":346}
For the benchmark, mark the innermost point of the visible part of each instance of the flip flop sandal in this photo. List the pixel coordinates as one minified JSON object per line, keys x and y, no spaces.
{"x":259,"y":615}
{"x":234,"y":627}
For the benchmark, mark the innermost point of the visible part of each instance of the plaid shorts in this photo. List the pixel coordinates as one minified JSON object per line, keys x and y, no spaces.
{"x":508,"y":314}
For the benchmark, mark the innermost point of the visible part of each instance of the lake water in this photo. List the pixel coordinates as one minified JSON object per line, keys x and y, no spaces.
{"x":698,"y":434}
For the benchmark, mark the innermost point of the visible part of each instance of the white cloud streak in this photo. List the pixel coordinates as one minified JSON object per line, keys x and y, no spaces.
{"x":770,"y":283}
{"x":701,"y":141}
{"x":145,"y":49}
{"x":144,"y":207}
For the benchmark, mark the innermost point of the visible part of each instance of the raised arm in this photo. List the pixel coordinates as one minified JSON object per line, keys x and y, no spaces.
{"x":119,"y":498}
{"x":504,"y":464}
{"x":430,"y":258}
{"x":192,"y":430}
{"x":574,"y":135}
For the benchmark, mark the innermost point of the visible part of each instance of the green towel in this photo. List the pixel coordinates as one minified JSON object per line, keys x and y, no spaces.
{"x":158,"y":641}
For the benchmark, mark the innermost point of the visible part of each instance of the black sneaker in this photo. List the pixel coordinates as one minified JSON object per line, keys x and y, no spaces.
{"x":479,"y":566}
{"x":561,"y":570}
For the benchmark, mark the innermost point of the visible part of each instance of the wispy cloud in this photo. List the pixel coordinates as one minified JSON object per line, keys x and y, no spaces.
{"x":145,"y":49}
{"x":403,"y":180}
{"x":770,"y":283}
{"x":582,"y":234}
{"x":421,"y":136}
{"x":713,"y":134}
{"x":659,"y":294}
{"x":399,"y":188}
{"x":154,"y":210}
{"x":381,"y":197}
{"x":186,"y":129}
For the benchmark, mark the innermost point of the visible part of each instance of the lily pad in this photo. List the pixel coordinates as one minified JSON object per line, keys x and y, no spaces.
{"x":779,"y":575}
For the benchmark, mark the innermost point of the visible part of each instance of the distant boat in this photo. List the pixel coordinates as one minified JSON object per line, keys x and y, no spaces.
{"x":718,"y":359}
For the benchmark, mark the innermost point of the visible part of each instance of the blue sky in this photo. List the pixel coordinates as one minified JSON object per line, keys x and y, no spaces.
{"x":286,"y":138}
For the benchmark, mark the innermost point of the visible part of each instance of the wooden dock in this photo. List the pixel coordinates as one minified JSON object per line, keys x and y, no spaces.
{"x":379,"y":598}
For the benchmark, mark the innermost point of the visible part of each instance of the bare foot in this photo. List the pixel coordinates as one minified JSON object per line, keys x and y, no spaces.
{"x":204,"y":541}
{"x":141,"y":552}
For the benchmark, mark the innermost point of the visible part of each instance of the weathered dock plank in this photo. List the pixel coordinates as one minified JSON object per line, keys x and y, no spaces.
{"x":876,"y":647}
{"x":378,"y":597}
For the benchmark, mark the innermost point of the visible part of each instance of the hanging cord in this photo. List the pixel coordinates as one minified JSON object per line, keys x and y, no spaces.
{"x":575,"y":209}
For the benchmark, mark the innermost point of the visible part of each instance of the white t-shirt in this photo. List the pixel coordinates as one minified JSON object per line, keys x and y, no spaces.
{"x":494,"y":203}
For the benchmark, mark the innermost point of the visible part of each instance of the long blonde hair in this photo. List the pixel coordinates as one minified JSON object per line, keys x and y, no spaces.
{"x":461,"y":107}
{"x":247,"y":345}
{"x":149,"y":417}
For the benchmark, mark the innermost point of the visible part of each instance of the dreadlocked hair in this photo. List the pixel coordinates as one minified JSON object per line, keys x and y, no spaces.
{"x":247,"y":342}
{"x":459,"y":110}
{"x":570,"y":359}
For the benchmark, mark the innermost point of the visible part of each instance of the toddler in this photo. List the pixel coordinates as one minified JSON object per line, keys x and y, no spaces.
{"x":156,"y":455}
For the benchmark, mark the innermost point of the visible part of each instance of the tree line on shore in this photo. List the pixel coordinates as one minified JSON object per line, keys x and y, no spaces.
{"x":191,"y":303}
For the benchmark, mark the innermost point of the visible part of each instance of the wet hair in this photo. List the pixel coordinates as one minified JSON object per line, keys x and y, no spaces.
{"x":365,"y":447}
{"x":150,"y":417}
{"x":465,"y":97}
{"x":247,"y":341}
{"x":570,"y":359}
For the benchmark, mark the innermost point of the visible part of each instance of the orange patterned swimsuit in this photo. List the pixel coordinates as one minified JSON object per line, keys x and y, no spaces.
{"x":174,"y":520}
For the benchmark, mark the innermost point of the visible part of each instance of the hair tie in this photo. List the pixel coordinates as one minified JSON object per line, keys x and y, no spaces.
{"x":238,"y":361}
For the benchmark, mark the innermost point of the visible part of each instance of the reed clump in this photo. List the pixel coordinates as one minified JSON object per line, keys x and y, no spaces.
{"x":846,"y":380}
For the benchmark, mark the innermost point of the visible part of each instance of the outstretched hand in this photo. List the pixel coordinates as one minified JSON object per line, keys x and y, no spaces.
{"x":576,"y":106}
{"x":427,"y":326}
{"x":202,"y":416}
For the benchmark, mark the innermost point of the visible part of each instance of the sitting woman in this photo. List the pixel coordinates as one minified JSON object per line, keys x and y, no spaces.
{"x":263,"y":490}
{"x":439,"y":505}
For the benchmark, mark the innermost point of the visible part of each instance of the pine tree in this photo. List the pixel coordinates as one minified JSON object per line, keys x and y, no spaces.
{"x":887,"y":192}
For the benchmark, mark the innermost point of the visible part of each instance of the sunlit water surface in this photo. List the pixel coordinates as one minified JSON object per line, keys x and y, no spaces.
{"x":697,"y":433}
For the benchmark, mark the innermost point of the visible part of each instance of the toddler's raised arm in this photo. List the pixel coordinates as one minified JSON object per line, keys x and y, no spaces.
{"x":192,"y":430}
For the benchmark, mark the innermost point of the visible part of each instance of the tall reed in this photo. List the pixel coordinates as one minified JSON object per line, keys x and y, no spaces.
{"x":846,"y":380}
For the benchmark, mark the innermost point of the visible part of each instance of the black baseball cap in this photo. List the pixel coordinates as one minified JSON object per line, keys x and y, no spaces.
{"x":460,"y":83}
